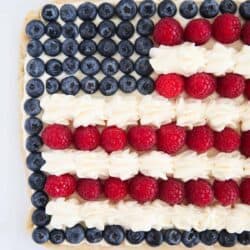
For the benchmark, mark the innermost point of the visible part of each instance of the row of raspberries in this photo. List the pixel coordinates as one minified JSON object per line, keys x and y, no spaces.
{"x":144,"y":189}
{"x":169,"y":138}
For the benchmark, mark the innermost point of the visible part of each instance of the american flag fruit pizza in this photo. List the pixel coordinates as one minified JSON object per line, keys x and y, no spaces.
{"x":136,"y":123}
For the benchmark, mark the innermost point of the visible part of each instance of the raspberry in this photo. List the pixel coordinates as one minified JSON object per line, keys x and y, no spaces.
{"x":89,"y":189}
{"x":170,"y":138}
{"x":113,"y":139}
{"x":172,"y":191}
{"x":169,"y":85}
{"x":200,"y":85}
{"x":245,"y":143}
{"x":115,"y":189}
{"x":245,"y":33}
{"x":86,"y":138}
{"x":60,"y":186}
{"x":168,"y":31}
{"x":198,"y":31}
{"x":227,"y":140}
{"x":226,"y":192}
{"x":245,"y":191}
{"x":247,"y":89}
{"x":231,"y":85}
{"x":143,"y":188}
{"x":199,"y":192}
{"x":200,"y":139}
{"x":142,"y":138}
{"x":226,"y":28}
{"x":57,"y":136}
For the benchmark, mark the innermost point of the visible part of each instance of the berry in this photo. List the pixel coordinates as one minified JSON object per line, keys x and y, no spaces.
{"x":245,"y":143}
{"x":228,"y":6}
{"x":245,"y":191}
{"x":227,"y":140}
{"x":145,"y":27}
{"x":190,"y":238}
{"x":40,"y":235}
{"x":114,"y":235}
{"x":70,"y":65}
{"x":108,"y":86}
{"x":53,"y":30}
{"x":87,"y":11}
{"x":125,"y":30}
{"x":70,"y":30}
{"x":115,"y":189}
{"x":52,"y":47}
{"x":170,"y":138}
{"x":90,"y":66}
{"x":168,"y":31}
{"x":34,"y":88}
{"x":209,"y":8}
{"x":143,"y":188}
{"x":33,"y":143}
{"x":37,"y":180}
{"x":244,"y":9}
{"x":107,"y":47}
{"x":142,"y":138}
{"x":125,"y":48}
{"x":126,"y":9}
{"x":93,"y":235}
{"x":126,"y":66}
{"x":145,"y":86}
{"x":106,"y":11}
{"x":75,"y":235}
{"x":69,"y":47}
{"x":198,"y":31}
{"x":200,"y":139}
{"x":172,"y":236}
{"x":87,"y":30}
{"x":169,"y":85}
{"x":244,"y":238}
{"x":199,"y":192}
{"x":188,"y":9}
{"x":172,"y":191}
{"x":35,"y":29}
{"x":247,"y":89}
{"x":113,"y":139}
{"x":35,"y":67}
{"x":209,"y":237}
{"x":135,"y":237}
{"x":227,"y":239}
{"x":143,"y":45}
{"x":89,"y":85}
{"x":50,"y":12}
{"x":147,"y":8}
{"x":54,"y":67}
{"x":57,"y":236}
{"x":127,"y":84}
{"x":109,"y":66}
{"x":245,"y":33}
{"x":166,"y":9}
{"x":33,"y":126}
{"x":68,"y":13}
{"x":143,"y":67}
{"x":60,"y":186}
{"x":34,"y":48}
{"x":35,"y":161}
{"x":231,"y":85}
{"x":39,"y":199}
{"x":226,"y":28}
{"x":200,"y":85}
{"x":32,"y":107}
{"x":52,"y":85}
{"x":40,"y":218}
{"x":87,"y":47}
{"x":154,"y":238}
{"x":106,"y":28}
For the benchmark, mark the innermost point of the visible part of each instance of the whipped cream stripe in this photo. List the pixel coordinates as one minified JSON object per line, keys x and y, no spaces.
{"x":125,"y":164}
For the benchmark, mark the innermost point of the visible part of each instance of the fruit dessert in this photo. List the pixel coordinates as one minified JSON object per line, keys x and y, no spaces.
{"x":136,"y":123}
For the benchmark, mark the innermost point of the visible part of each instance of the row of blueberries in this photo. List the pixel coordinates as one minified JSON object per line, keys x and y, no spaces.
{"x":115,"y":235}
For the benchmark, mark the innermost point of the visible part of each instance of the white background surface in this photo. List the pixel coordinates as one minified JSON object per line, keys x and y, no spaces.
{"x":13,"y":197}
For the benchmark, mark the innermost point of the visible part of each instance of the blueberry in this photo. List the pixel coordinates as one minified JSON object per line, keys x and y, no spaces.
{"x":39,"y":199}
{"x":143,"y":67}
{"x":52,"y":85}
{"x":125,"y":30}
{"x":154,"y":238}
{"x":145,"y":27}
{"x":244,"y":238}
{"x":89,"y":85}
{"x":50,"y":12}
{"x":34,"y":88}
{"x":53,"y":29}
{"x":34,"y":48}
{"x":188,"y":9}
{"x":52,"y":47}
{"x":245,"y":9}
{"x":90,"y":66}
{"x":87,"y":30}
{"x":172,"y":236}
{"x":40,"y":218}
{"x":70,"y":65}
{"x":166,"y":9}
{"x":127,"y":84}
{"x":147,"y":8}
{"x":33,"y":125}
{"x":32,"y":107}
{"x":75,"y":235}
{"x":126,"y":9}
{"x":106,"y":28}
{"x":87,"y":47}
{"x":54,"y":67}
{"x":125,"y":48}
{"x":209,"y":237}
{"x":227,"y":239}
{"x":37,"y":180}
{"x":35,"y":67}
{"x":33,"y":143}
{"x":68,"y":13}
{"x":70,"y":85}
{"x":93,"y":235}
{"x":87,"y":11}
{"x":126,"y":66}
{"x":107,"y":47}
{"x":70,"y":30}
{"x":145,"y":86}
{"x":106,"y":11}
{"x":35,"y":29}
{"x":69,"y":47}
{"x":209,"y":8}
{"x":57,"y":236}
{"x":35,"y":161}
{"x":143,"y":45}
{"x":114,"y":235}
{"x":190,"y":238}
{"x":228,"y":6}
{"x":135,"y":237}
{"x":108,"y":86}
{"x":40,"y":235}
{"x":109,"y":66}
